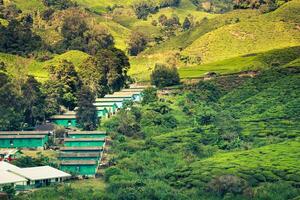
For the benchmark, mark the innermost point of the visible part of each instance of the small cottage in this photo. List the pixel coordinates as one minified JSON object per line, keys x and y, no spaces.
{"x":30,"y":177}
{"x":80,"y":167}
{"x":81,"y":149}
{"x":102,"y":112}
{"x":84,"y":142}
{"x":118,"y":101}
{"x":67,"y":119}
{"x":23,"y":141}
{"x":79,"y":156}
{"x":87,"y":134}
{"x":110,"y":106}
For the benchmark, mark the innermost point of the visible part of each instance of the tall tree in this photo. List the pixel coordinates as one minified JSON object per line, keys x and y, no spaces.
{"x":11,"y":116}
{"x":163,"y":76}
{"x":186,"y":24}
{"x":34,"y":101}
{"x":137,"y":43}
{"x":65,"y":73}
{"x":87,"y":114}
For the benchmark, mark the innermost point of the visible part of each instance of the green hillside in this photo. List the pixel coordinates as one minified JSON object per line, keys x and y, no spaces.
{"x":38,"y":69}
{"x":221,"y":43}
{"x":257,"y":165}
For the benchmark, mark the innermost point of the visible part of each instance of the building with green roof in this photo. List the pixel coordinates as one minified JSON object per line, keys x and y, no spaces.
{"x":81,"y":149}
{"x":84,"y":142}
{"x":87,"y":134}
{"x":80,"y":167}
{"x":23,"y":141}
{"x":65,"y":120}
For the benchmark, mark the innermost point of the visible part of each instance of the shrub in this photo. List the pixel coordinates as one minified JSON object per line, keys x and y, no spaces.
{"x":149,"y":95}
{"x":164,"y":76}
{"x":227,"y":184}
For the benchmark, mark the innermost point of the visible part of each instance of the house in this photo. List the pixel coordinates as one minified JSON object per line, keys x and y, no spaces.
{"x":133,"y":90}
{"x":135,"y":96}
{"x":118,"y":101}
{"x":110,"y":106}
{"x":84,"y":142}
{"x":67,"y":119}
{"x":102,"y":112}
{"x":47,"y":134}
{"x":87,"y":134}
{"x":134,"y":86}
{"x":81,"y":149}
{"x":23,"y":141}
{"x":30,"y":177}
{"x":79,"y":156}
{"x":80,"y":167}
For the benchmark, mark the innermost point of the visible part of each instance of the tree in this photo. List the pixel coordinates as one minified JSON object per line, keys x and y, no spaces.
{"x":78,"y":36}
{"x":9,"y":190}
{"x":73,"y":30}
{"x":143,"y":8}
{"x":54,"y":91}
{"x":113,"y":64}
{"x":137,"y":43}
{"x":149,"y":95}
{"x":11,"y":108}
{"x":65,"y":73}
{"x":2,"y":66}
{"x":97,"y":38}
{"x":17,"y":37}
{"x":186,"y":24}
{"x":59,"y":4}
{"x":162,"y":19}
{"x":87,"y":114}
{"x":34,"y":101}
{"x":163,"y":76}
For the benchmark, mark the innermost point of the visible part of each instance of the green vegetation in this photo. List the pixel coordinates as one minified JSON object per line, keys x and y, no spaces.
{"x":235,"y":136}
{"x":230,"y":137}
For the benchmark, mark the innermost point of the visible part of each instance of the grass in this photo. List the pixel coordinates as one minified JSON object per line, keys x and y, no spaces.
{"x":17,"y":64}
{"x":29,"y":5}
{"x":243,"y":38}
{"x":270,"y":163}
{"x":254,"y":61}
{"x":34,"y":153}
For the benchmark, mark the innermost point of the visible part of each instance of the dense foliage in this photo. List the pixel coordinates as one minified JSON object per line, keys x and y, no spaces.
{"x":17,"y":37}
{"x":86,"y":114}
{"x":181,"y":148}
{"x":143,"y":8}
{"x":163,"y":76}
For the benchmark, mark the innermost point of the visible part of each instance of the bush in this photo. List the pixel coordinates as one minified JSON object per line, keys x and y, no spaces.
{"x":149,"y":95}
{"x":277,"y":191}
{"x":164,"y":76}
{"x":111,"y":172}
{"x":227,"y":184}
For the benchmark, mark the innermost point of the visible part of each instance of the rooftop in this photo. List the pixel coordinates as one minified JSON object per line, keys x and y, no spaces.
{"x":63,"y":117}
{"x":105,"y":104}
{"x":84,"y":139}
{"x":78,"y":155}
{"x":42,"y":172}
{"x":9,"y":177}
{"x":133,"y":90}
{"x":78,"y":162}
{"x":24,"y":132}
{"x":110,"y":99}
{"x":81,"y":148}
{"x":31,"y":173}
{"x":87,"y":132}
{"x":22,"y":136}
